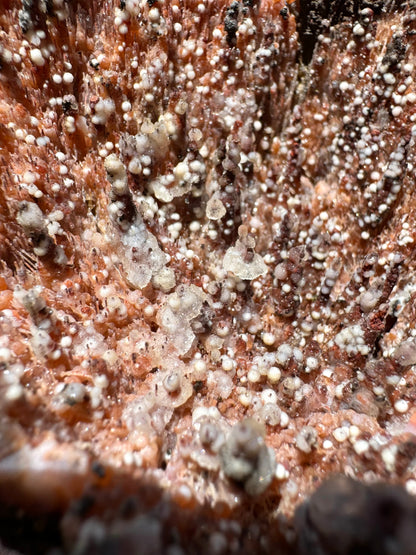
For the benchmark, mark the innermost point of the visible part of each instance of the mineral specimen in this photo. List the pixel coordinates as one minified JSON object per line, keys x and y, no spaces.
{"x":207,"y":283}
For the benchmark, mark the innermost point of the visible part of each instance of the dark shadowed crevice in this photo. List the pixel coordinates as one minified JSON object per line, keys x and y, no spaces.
{"x":317,"y":15}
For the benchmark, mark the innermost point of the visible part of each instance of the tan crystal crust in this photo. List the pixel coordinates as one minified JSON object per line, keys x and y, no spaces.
{"x":207,"y":285}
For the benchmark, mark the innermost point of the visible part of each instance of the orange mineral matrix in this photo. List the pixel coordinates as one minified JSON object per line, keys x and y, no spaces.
{"x":207,"y":277}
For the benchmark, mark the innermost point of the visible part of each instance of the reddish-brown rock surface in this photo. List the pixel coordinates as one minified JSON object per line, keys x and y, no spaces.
{"x":207,"y":284}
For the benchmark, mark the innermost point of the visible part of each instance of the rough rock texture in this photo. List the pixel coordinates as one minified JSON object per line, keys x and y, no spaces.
{"x":207,"y":230}
{"x":344,"y":516}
